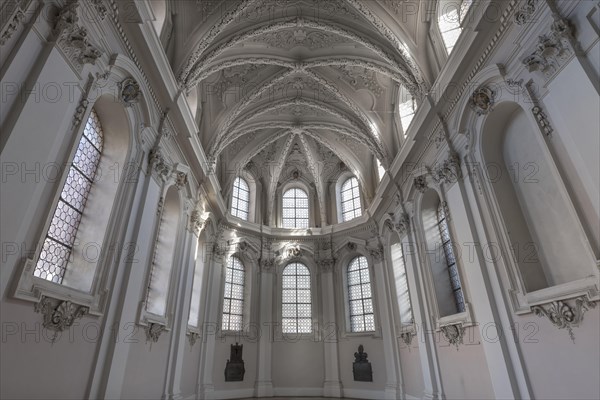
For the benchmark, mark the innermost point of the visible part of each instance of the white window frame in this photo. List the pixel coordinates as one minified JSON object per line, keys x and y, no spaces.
{"x":342,"y":182}
{"x":295,"y":208}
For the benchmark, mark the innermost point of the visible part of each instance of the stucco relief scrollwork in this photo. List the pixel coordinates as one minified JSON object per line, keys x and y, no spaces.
{"x":73,"y":39}
{"x":153,"y":331}
{"x":59,"y":315}
{"x":553,"y":49}
{"x":403,"y":224}
{"x":13,"y":24}
{"x":542,"y":121}
{"x":129,"y":91}
{"x":483,"y":100}
{"x":524,"y":14}
{"x":454,"y":334}
{"x":448,"y":171}
{"x":564,"y":315}
{"x":420,"y":183}
{"x":407,"y":337}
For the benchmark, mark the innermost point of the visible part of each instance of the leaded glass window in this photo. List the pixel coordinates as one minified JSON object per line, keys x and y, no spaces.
{"x":60,"y":238}
{"x":240,"y":201}
{"x":399,"y":268}
{"x":295,"y":208}
{"x":296,"y":310}
{"x":360,"y":298}
{"x":233,"y":302}
{"x":407,"y":109}
{"x":350,"y":193}
{"x":451,"y":17}
{"x":450,"y":259}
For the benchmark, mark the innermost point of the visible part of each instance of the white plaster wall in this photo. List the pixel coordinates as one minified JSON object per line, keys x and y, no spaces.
{"x":412,"y":375}
{"x":222,"y":354}
{"x":298,"y":363}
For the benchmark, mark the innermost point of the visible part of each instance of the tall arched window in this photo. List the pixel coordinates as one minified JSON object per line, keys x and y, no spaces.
{"x":296,"y":313}
{"x":451,"y":14}
{"x":360,"y":298}
{"x":240,"y":201}
{"x":60,"y":238}
{"x":295,"y":209}
{"x":350,"y":199}
{"x":450,"y":259}
{"x":233,"y":295}
{"x":402,"y":293}
{"x":407,"y":109}
{"x":164,"y":253}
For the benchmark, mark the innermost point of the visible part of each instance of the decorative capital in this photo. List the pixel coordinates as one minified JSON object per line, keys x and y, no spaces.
{"x":403,"y":224}
{"x":153,"y":331}
{"x":73,"y":39}
{"x":564,"y":315}
{"x":267,"y":264}
{"x":448,"y":171}
{"x":181,"y":180}
{"x":158,"y":164}
{"x":196,"y":222}
{"x":327,"y":264}
{"x":483,"y":100}
{"x":420,"y":183}
{"x":377,"y":253}
{"x":553,"y":49}
{"x":59,"y":315}
{"x":454,"y":334}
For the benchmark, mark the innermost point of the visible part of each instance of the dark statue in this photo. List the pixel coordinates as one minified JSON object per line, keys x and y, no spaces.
{"x":234,"y":370}
{"x":361,"y":368}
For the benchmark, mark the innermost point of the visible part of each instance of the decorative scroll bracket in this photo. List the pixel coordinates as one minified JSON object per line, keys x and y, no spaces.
{"x":563,"y":315}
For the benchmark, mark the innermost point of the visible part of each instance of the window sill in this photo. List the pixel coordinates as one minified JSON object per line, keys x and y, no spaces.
{"x":464,"y":319}
{"x":587,"y":287}
{"x":33,"y":289}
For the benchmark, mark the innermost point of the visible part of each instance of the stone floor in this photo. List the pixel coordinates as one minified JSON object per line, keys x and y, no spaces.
{"x":293,"y":398}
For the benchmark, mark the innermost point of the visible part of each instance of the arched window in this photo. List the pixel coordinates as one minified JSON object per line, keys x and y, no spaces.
{"x":233,"y":295}
{"x":240,"y":201}
{"x":164,"y":253}
{"x":451,"y":14}
{"x":350,"y":196}
{"x":296,"y":299}
{"x":295,"y":209}
{"x":402,"y":293}
{"x":360,"y":298}
{"x":442,"y":223}
{"x":407,"y":109}
{"x":60,"y":238}
{"x":380,"y":169}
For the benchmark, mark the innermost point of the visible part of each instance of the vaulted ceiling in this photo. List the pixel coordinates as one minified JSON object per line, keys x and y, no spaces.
{"x":297,"y":89}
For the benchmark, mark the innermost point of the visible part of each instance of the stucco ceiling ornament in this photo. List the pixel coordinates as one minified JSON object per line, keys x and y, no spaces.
{"x":158,"y":164}
{"x":129,"y":91}
{"x":420,"y":183}
{"x":18,"y":16}
{"x":483,"y":100}
{"x":564,"y":315}
{"x":553,"y":49}
{"x":377,"y":253}
{"x":181,"y":180}
{"x":523,"y":15}
{"x":448,"y":171}
{"x":542,"y":121}
{"x":73,"y":39}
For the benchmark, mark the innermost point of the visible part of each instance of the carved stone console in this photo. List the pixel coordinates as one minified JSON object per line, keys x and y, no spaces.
{"x":59,"y":315}
{"x":361,"y":367}
{"x":454,"y":334}
{"x":564,"y":315}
